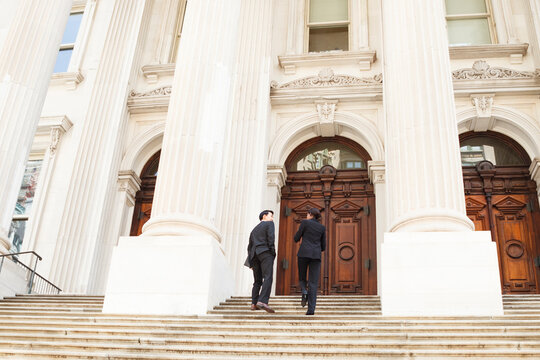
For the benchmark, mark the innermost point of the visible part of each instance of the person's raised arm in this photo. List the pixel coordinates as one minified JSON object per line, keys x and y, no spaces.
{"x":300,"y":232}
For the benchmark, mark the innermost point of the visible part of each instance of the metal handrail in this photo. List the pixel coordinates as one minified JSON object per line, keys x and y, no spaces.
{"x":32,"y":271}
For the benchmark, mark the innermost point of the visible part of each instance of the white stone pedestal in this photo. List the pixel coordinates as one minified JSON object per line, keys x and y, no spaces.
{"x":440,"y":274}
{"x":181,"y":275}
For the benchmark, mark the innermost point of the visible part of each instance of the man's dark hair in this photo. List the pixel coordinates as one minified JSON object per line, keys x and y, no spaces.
{"x":265,"y":212}
{"x":315,"y":213}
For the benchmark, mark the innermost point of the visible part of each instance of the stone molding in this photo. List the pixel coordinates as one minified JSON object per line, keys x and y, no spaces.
{"x":129,"y":182}
{"x":327,"y":78}
{"x":56,"y":126}
{"x":376,"y":171}
{"x":514,"y":51}
{"x":153,"y":72}
{"x":68,"y":79}
{"x":364,"y":58}
{"x":276,"y":176}
{"x":149,"y":101}
{"x":481,"y":70}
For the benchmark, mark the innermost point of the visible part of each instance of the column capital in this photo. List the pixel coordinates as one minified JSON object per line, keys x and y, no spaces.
{"x":56,"y":126}
{"x":129,"y":182}
{"x":276,"y":176}
{"x":376,"y":171}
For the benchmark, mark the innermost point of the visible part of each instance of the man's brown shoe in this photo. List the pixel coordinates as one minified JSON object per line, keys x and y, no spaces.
{"x":265,"y":307}
{"x":254,"y":307}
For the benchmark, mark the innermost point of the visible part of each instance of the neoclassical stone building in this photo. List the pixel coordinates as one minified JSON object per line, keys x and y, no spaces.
{"x":149,"y":134}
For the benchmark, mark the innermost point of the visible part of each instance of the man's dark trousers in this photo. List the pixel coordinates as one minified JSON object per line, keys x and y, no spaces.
{"x":263,"y":272}
{"x":314,"y":273}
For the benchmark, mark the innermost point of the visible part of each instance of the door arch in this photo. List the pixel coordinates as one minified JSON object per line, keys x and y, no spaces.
{"x":501,"y":198}
{"x":331,"y":175}
{"x":145,"y":196}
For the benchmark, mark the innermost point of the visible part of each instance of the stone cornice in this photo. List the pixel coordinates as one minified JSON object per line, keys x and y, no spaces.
{"x":327,"y":78}
{"x":487,"y":51}
{"x":153,"y":72}
{"x":47,"y":123}
{"x":481,"y":70}
{"x":150,"y":101}
{"x":364,"y":58}
{"x":68,"y":79}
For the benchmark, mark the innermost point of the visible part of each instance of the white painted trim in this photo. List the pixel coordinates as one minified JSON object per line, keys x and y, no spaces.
{"x":142,"y":148}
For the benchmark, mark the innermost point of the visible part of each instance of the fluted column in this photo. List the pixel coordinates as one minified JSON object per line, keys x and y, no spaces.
{"x":425,"y":181}
{"x":92,"y":183}
{"x":26,"y":63}
{"x":188,"y":185}
{"x":242,"y":200}
{"x":432,"y":263}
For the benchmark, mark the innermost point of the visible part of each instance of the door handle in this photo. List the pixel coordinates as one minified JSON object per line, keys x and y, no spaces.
{"x":284,"y":264}
{"x":367,"y":264}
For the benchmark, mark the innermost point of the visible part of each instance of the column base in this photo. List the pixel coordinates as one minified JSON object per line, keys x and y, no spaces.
{"x":177,"y":275}
{"x":440,"y":274}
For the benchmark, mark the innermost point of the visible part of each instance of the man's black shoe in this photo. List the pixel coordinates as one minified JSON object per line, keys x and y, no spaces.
{"x":304,"y":300}
{"x":310,"y":313}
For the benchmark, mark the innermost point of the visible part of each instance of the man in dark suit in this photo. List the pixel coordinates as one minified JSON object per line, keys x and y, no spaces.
{"x":261,"y":255}
{"x":313,"y":236}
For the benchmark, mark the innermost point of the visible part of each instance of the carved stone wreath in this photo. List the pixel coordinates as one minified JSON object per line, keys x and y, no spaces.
{"x":327,"y":78}
{"x":481,"y":71}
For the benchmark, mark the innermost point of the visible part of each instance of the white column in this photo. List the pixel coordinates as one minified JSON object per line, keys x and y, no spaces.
{"x":26,"y":63}
{"x":432,"y":261}
{"x":533,"y":27}
{"x":92,"y":184}
{"x":178,"y":264}
{"x":242,"y":200}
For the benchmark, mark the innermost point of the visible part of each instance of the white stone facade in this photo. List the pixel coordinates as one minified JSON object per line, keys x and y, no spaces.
{"x":226,"y":106}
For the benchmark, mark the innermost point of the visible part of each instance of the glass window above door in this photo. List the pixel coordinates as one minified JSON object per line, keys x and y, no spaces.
{"x":474,"y":150}
{"x":324,"y":153}
{"x":470,"y":22}
{"x":327,"y":25}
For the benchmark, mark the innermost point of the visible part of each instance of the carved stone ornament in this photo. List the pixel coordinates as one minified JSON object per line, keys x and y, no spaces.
{"x":483,"y":104}
{"x":327,"y":78}
{"x":55,"y":139}
{"x":482,"y":71}
{"x":162,"y":91}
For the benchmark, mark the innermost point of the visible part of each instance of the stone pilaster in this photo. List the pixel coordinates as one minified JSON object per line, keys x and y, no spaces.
{"x":26,"y":63}
{"x":534,"y":169}
{"x":93,"y":178}
{"x":377,"y":176}
{"x":432,"y":263}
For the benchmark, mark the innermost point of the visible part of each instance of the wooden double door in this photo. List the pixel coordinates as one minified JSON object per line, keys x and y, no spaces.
{"x":347,"y":204}
{"x":503,"y":200}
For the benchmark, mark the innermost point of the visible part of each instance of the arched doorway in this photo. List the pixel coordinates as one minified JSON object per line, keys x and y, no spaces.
{"x":331,"y":175}
{"x":144,"y":197}
{"x":501,"y":198}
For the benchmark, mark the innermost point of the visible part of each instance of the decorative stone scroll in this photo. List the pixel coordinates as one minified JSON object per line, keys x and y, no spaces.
{"x":162,"y":91}
{"x":482,"y":71}
{"x":327,"y":78}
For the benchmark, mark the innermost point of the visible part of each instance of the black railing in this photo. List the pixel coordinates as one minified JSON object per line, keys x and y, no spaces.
{"x":37,"y":284}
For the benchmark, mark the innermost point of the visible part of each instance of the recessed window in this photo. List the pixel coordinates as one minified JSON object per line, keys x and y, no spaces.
{"x":474,"y":150}
{"x":469,"y":22}
{"x":68,"y":43}
{"x":24,"y":204}
{"x":327,"y":25}
{"x":324,"y":153}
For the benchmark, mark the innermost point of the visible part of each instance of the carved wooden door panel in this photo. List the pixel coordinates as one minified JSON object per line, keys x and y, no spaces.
{"x":516,"y":243}
{"x":347,"y":204}
{"x":503,"y":200}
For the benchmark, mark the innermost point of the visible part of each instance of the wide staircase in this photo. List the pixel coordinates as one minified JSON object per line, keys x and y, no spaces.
{"x":73,"y":327}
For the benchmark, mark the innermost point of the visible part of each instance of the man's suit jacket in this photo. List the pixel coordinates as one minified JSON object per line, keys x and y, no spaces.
{"x":313,"y":236}
{"x":261,"y":239}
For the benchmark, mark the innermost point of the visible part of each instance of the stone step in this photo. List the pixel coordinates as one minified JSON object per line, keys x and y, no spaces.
{"x":379,"y":354}
{"x":115,"y":334}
